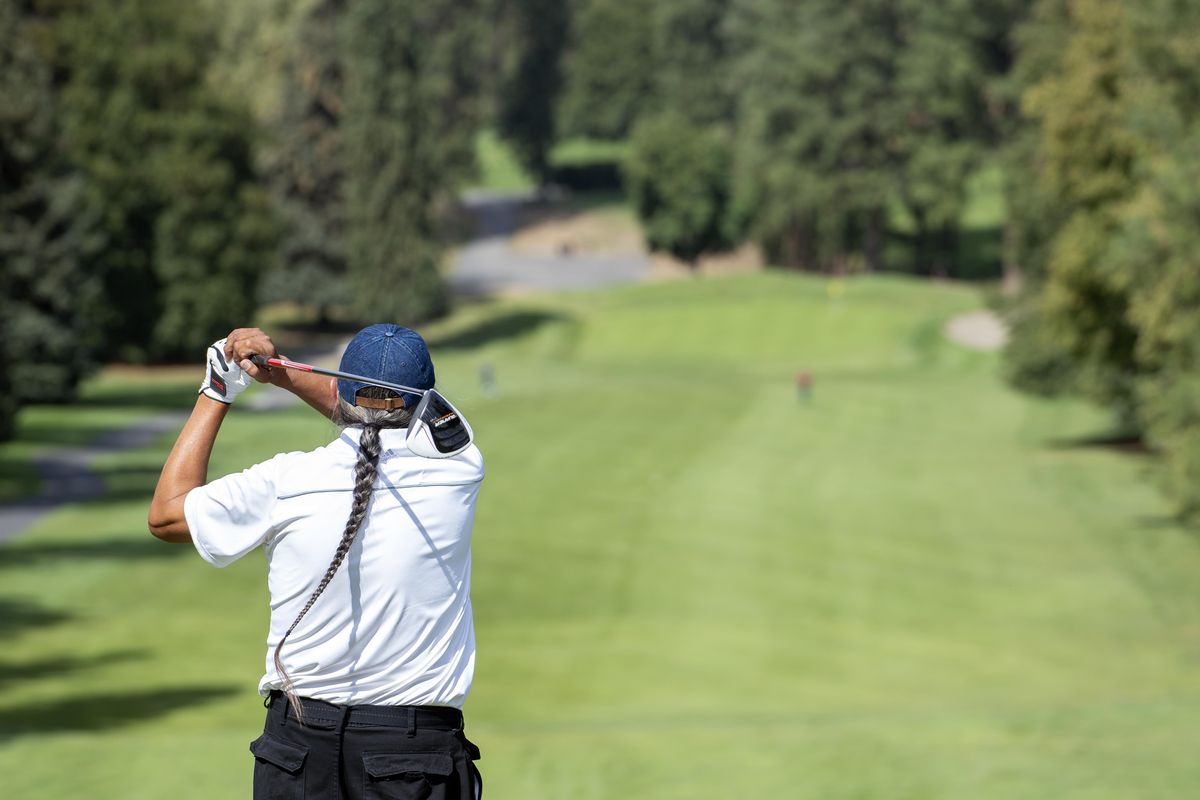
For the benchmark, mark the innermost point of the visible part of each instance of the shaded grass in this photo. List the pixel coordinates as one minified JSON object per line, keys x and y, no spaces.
{"x":688,"y":584}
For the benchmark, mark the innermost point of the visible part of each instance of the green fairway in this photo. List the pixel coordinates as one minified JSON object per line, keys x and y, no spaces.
{"x":687,"y":584}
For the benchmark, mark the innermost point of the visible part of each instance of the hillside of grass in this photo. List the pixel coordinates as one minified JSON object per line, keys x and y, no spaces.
{"x":687,"y":583}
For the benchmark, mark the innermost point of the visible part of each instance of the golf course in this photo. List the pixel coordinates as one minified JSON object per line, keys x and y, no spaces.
{"x":688,"y":582}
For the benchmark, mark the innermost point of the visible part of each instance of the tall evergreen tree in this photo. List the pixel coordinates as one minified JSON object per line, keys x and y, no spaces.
{"x":1157,"y":246}
{"x":1112,"y":313}
{"x":691,"y":57}
{"x":954,"y":54}
{"x":1088,"y":155}
{"x":412,"y":78}
{"x":529,"y":97}
{"x":48,"y":324}
{"x":677,"y":175}
{"x":307,"y":170}
{"x":170,"y":172}
{"x":610,"y":69}
{"x":818,"y":112}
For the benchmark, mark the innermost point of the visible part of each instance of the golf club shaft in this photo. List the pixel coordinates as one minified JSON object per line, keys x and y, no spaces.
{"x":333,"y":373}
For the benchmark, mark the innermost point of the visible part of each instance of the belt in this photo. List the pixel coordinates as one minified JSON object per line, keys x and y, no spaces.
{"x":442,"y":718}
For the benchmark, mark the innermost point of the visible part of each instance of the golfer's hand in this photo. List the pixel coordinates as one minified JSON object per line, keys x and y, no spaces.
{"x":224,"y":380}
{"x":245,"y":342}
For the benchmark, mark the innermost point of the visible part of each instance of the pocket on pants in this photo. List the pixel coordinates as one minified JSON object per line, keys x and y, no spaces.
{"x":278,"y":769}
{"x":406,"y":776}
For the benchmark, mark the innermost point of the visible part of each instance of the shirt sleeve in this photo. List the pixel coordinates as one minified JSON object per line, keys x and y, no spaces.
{"x":231,"y":516}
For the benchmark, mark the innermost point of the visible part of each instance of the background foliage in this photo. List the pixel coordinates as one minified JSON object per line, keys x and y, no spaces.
{"x":168,"y":166}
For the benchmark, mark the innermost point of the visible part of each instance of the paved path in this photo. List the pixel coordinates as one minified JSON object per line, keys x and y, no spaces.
{"x":488,"y":264}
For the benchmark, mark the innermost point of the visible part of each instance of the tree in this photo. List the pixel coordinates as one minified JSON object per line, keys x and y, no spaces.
{"x":1088,"y":155}
{"x":1159,"y":241}
{"x":529,"y":96}
{"x":169,"y":166}
{"x":48,"y":323}
{"x":845,"y":108}
{"x":691,"y":55}
{"x":307,"y":170}
{"x":677,"y":176}
{"x":817,"y":116}
{"x":1119,"y":127}
{"x":412,"y":78}
{"x":609,"y":70}
{"x":952,"y":56}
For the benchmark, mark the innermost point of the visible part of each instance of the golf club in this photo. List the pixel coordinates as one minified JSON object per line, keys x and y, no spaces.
{"x":437,"y":429}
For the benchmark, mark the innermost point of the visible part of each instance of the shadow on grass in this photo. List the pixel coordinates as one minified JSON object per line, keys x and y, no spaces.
{"x":498,"y":328}
{"x":143,"y":397}
{"x":64,"y":435}
{"x":21,"y":554}
{"x":1116,"y":441}
{"x":12,"y":672}
{"x":103,"y":710}
{"x":63,"y":484}
{"x":1166,"y":522}
{"x":18,"y":479}
{"x":123,"y":435}
{"x":16,"y":615}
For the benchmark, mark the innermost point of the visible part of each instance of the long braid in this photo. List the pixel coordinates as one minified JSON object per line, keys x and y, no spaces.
{"x":365,"y":470}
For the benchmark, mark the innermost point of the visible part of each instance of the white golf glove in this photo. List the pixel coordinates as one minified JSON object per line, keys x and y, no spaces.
{"x":224,"y":379}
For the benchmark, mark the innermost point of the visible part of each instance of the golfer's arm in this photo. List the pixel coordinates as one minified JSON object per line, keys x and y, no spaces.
{"x":311,"y":388}
{"x":186,"y":468}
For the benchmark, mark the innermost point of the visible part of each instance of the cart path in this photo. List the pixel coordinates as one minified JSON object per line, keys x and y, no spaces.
{"x":488,"y":265}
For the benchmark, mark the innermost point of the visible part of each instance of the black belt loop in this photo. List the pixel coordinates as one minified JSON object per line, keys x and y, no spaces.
{"x":412,"y":721}
{"x":341,"y":730}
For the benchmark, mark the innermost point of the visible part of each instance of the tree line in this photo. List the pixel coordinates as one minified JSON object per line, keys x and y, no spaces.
{"x":804,"y":126}
{"x":146,"y":207}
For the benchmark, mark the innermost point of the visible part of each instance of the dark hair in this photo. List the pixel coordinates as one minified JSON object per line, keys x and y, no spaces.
{"x":371,"y":420}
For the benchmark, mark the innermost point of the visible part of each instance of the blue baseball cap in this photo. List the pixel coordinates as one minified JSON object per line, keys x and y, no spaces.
{"x":388,"y":353}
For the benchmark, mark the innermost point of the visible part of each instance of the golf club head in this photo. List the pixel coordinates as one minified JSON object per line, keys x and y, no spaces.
{"x":437,"y":429}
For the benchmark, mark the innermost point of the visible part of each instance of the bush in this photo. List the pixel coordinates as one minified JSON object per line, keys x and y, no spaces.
{"x":678,"y":179}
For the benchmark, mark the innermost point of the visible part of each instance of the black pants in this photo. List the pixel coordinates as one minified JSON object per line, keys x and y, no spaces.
{"x":364,"y":753}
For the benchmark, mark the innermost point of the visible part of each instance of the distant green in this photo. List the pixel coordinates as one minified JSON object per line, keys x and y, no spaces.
{"x":497,"y":169}
{"x":687,"y":583}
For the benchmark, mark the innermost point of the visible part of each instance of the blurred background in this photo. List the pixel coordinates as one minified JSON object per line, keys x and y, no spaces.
{"x":836,"y":364}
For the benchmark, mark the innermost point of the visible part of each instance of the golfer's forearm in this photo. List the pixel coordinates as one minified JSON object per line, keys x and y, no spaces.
{"x":186,"y":468}
{"x":312,"y":389}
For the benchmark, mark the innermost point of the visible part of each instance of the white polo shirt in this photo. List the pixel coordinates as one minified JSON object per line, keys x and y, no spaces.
{"x":394,"y":625}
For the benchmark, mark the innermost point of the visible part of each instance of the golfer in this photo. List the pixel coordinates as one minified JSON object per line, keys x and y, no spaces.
{"x":371,"y":647}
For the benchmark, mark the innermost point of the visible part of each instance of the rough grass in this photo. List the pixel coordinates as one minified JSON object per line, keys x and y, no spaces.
{"x":687,"y":583}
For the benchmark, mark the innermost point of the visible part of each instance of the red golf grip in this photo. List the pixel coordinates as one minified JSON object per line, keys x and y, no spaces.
{"x":280,"y":362}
